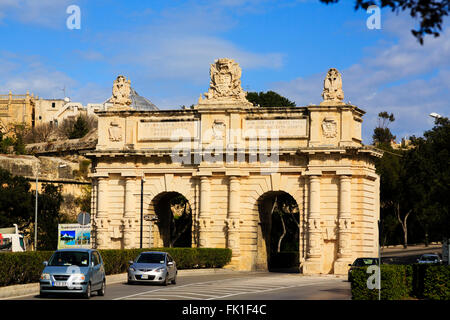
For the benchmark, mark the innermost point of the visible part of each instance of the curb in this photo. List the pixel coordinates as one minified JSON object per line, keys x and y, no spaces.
{"x":24,"y":290}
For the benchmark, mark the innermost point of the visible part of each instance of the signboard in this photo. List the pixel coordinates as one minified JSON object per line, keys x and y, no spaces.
{"x":167,"y":130}
{"x":287,"y":128}
{"x":74,"y":236}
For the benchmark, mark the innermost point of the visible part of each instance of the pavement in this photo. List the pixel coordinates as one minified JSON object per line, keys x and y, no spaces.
{"x":224,"y":285}
{"x":24,"y":290}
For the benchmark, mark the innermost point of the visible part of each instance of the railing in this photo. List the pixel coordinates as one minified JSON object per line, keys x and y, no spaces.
{"x":13,"y":96}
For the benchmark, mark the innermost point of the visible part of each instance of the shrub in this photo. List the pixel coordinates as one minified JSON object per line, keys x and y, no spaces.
{"x":436,"y":284}
{"x":395,"y":284}
{"x":22,"y":267}
{"x":403,"y":281}
{"x":26,"y":267}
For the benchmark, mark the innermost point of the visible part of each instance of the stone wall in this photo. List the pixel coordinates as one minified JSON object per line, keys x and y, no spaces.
{"x":54,"y":170}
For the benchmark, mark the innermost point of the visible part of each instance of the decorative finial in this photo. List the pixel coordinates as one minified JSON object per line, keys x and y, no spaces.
{"x":332,"y":88}
{"x":121,"y":93}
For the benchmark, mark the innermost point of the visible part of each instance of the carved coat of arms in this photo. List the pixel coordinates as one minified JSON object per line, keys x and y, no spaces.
{"x":329,"y":128}
{"x":115,"y":132}
{"x":225,"y":83}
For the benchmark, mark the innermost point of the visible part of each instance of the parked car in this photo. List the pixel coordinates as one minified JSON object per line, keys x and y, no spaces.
{"x":74,"y":271}
{"x":361,"y":262}
{"x":153,"y":267}
{"x":430,"y":258}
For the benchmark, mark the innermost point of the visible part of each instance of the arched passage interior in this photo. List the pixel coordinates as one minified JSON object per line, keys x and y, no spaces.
{"x":279,"y":231}
{"x":174,"y":219}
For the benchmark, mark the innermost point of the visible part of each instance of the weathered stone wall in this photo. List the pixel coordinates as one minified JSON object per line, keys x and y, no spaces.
{"x":54,"y":170}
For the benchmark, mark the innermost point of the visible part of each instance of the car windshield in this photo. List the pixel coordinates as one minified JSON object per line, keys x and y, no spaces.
{"x":69,"y":258}
{"x":365,"y":262}
{"x":151,"y":258}
{"x":429,"y":258}
{"x":370,"y":261}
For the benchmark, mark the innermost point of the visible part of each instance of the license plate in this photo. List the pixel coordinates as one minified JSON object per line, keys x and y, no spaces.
{"x":59,"y":284}
{"x":144,"y":276}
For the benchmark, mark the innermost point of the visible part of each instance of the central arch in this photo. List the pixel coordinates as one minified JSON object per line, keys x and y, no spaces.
{"x":173,"y":214}
{"x":279,"y":231}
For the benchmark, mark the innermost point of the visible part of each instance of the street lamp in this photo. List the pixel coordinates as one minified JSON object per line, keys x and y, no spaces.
{"x":435,"y":115}
{"x":36,"y":205}
{"x":142,"y":208}
{"x":36,"y":211}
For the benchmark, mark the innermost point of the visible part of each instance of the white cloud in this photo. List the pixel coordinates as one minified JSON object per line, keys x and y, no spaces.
{"x":402,"y":77}
{"x":27,"y":73}
{"x":47,"y":13}
{"x":179,"y":44}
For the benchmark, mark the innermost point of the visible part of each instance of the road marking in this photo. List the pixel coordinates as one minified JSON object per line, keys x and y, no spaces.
{"x":227,"y":288}
{"x":268,"y":290}
{"x":185,"y":285}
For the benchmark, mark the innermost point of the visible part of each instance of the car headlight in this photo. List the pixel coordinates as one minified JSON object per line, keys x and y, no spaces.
{"x":45,"y":276}
{"x":79,"y":277}
{"x":132,"y":269}
{"x":161,"y":269}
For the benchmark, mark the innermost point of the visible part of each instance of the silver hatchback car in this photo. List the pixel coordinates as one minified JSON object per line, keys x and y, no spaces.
{"x":153,"y":267}
{"x":73,"y":271}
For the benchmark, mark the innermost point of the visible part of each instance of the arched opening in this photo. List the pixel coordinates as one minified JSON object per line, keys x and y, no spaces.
{"x":279,"y":231}
{"x":174,"y":219}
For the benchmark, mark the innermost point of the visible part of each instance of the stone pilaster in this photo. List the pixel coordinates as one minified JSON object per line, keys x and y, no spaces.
{"x":129,"y":213}
{"x":233,"y":219}
{"x":204,"y":214}
{"x":101,"y":221}
{"x":313,"y":263}
{"x":344,"y":222}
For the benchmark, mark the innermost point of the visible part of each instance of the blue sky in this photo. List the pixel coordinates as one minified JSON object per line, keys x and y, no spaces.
{"x":165,"y":48}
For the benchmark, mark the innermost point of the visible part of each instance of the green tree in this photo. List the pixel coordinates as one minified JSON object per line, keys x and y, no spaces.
{"x":428,"y":166}
{"x":13,"y":140}
{"x":395,"y":202}
{"x":50,"y":200}
{"x":80,"y":128}
{"x":269,"y":99}
{"x":430,"y":12}
{"x":16,"y":201}
{"x":84,"y":201}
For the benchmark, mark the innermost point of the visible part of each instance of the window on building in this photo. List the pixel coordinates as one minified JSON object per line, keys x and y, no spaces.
{"x":53,"y":104}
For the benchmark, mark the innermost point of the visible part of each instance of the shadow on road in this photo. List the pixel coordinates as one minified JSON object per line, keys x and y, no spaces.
{"x":285,"y":270}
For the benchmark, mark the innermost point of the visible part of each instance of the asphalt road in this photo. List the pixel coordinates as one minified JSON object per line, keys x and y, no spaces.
{"x":408,"y":255}
{"x":229,"y":286}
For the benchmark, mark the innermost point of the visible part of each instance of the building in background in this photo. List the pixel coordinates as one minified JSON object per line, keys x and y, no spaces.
{"x":16,"y":109}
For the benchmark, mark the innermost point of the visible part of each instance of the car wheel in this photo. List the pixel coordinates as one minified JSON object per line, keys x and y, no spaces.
{"x":101,"y":292}
{"x":43,"y":295}
{"x":166,"y":280}
{"x":87,"y":294}
{"x":130,"y":282}
{"x":174,"y":280}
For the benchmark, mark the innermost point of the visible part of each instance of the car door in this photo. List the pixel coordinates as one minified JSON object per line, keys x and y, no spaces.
{"x":170,"y":267}
{"x":96,"y":272}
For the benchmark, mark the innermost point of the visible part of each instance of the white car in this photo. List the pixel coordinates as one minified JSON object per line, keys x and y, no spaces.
{"x":430,"y":258}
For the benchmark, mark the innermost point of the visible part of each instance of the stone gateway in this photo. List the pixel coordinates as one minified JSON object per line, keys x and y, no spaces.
{"x":229,"y":159}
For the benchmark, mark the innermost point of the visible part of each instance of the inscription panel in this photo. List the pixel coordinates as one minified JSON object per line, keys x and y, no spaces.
{"x":287,"y":128}
{"x":167,"y":130}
